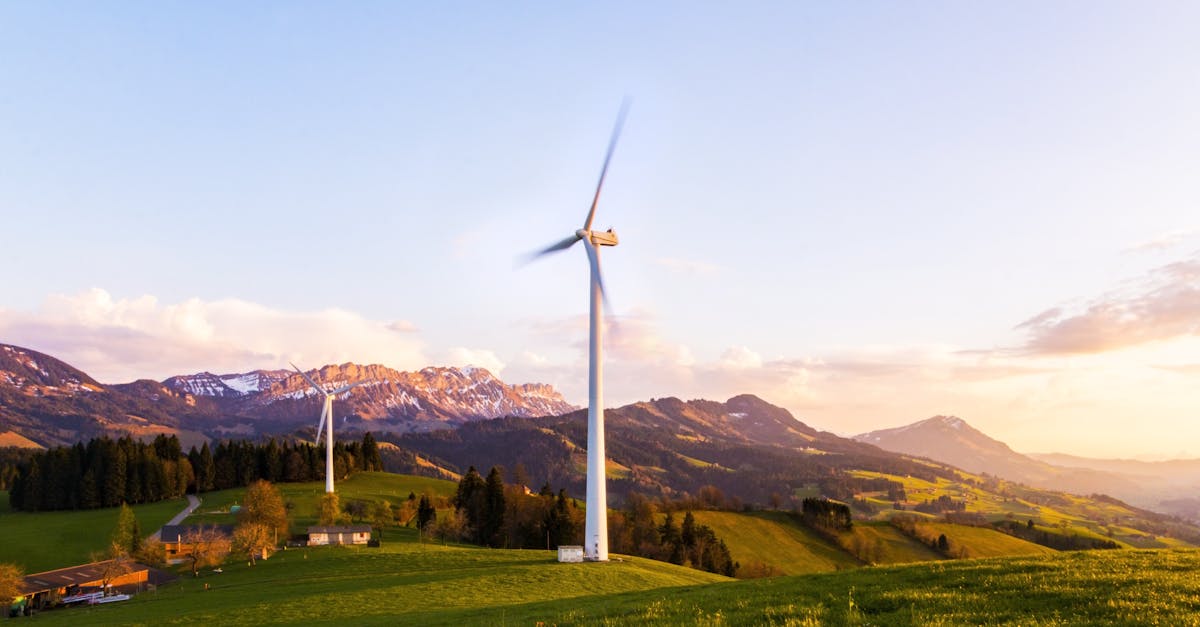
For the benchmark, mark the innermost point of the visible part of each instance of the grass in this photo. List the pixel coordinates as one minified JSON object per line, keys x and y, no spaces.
{"x":984,"y":541}
{"x":429,"y":584}
{"x":424,"y":583}
{"x":41,"y":541}
{"x":894,"y":547}
{"x":771,"y":538}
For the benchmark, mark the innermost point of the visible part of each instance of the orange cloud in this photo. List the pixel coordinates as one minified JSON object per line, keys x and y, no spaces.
{"x":1164,"y":304}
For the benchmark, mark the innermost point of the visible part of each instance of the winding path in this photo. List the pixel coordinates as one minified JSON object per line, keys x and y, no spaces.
{"x":193,"y":503}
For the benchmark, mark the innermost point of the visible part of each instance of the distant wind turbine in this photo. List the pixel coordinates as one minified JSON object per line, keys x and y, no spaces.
{"x":327,"y":417}
{"x":596,"y":525}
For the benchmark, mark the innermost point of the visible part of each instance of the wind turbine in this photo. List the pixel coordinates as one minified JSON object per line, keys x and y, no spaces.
{"x":595,"y":536}
{"x":327,"y":417}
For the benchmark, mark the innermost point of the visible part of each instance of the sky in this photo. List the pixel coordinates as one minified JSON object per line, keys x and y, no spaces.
{"x":868,"y":213}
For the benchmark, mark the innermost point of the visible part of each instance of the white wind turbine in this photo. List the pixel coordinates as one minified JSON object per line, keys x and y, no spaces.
{"x":327,"y":417}
{"x":596,"y":525}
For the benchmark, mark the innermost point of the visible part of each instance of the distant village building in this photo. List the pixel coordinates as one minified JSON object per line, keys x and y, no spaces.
{"x":570,"y":553}
{"x":174,"y":539}
{"x":351,"y":534}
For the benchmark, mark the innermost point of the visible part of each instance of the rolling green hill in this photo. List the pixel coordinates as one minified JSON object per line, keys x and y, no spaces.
{"x":772,"y":539}
{"x":430,"y":584}
{"x":41,"y":541}
{"x":423,"y":583}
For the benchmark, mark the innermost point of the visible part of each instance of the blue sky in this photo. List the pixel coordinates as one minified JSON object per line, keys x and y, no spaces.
{"x":845,"y":209}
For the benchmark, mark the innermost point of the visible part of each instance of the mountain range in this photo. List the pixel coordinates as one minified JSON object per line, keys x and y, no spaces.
{"x":48,"y":402}
{"x":438,"y":421}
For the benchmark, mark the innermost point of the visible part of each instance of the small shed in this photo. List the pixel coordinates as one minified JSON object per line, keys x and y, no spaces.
{"x":329,"y":535}
{"x":570,"y":553}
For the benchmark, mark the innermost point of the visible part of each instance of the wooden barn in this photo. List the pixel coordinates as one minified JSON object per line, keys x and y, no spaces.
{"x":351,"y":534}
{"x":85,"y":583}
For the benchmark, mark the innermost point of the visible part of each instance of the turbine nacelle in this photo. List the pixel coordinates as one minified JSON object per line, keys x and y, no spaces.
{"x":598,"y":238}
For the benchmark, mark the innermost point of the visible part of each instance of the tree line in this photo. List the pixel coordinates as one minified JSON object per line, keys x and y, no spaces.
{"x":489,"y":512}
{"x":107,"y":473}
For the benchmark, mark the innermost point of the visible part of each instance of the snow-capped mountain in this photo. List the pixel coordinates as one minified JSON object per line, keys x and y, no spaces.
{"x":49,"y":402}
{"x":226,"y":385}
{"x":389,"y":399}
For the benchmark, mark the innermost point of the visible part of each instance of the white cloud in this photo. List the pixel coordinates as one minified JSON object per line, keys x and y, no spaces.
{"x":122,"y":339}
{"x":480,"y":358}
{"x":740,"y":358}
{"x":1165,"y":241}
{"x":688,"y":266}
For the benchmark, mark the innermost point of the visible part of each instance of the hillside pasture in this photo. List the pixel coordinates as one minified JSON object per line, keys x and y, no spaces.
{"x":1070,"y":589}
{"x":41,"y":541}
{"x":775,"y":540}
{"x":425,"y":584}
{"x":430,"y":584}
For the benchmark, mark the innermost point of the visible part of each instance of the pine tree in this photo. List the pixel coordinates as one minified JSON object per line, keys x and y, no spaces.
{"x":426,"y":514}
{"x":493,"y":509}
{"x":370,"y":458}
{"x":205,"y":470}
{"x":468,"y":499}
{"x":114,"y":475}
{"x":127,"y":536}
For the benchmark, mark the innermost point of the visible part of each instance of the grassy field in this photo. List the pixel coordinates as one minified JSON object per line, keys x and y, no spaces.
{"x":771,"y":538}
{"x":47,"y":540}
{"x":42,"y":541}
{"x":894,"y":547}
{"x":423,"y":583}
{"x":430,"y":584}
{"x":984,"y":541}
{"x":1076,"y":588}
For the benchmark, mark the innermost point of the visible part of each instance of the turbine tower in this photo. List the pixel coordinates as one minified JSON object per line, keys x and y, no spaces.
{"x":595,"y":537}
{"x":327,"y":417}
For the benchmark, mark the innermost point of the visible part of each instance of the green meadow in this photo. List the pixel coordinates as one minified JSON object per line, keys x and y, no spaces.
{"x":41,"y":541}
{"x":431,"y":584}
{"x":425,"y":583}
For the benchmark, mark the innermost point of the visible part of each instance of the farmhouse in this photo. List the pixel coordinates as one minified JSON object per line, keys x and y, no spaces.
{"x":353,"y":534}
{"x":175,"y":539}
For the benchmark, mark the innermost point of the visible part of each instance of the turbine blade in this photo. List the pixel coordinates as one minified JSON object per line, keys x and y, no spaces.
{"x":549,"y":250}
{"x":594,"y":261}
{"x":309,"y":379}
{"x":612,"y":144}
{"x":320,"y":426}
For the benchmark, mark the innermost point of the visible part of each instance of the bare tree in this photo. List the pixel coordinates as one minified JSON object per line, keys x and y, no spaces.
{"x":208,"y":547}
{"x":256,"y":540}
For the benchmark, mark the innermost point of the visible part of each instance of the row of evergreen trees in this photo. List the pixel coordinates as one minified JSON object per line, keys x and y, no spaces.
{"x":498,"y":515}
{"x":106,"y":472}
{"x":636,"y":531}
